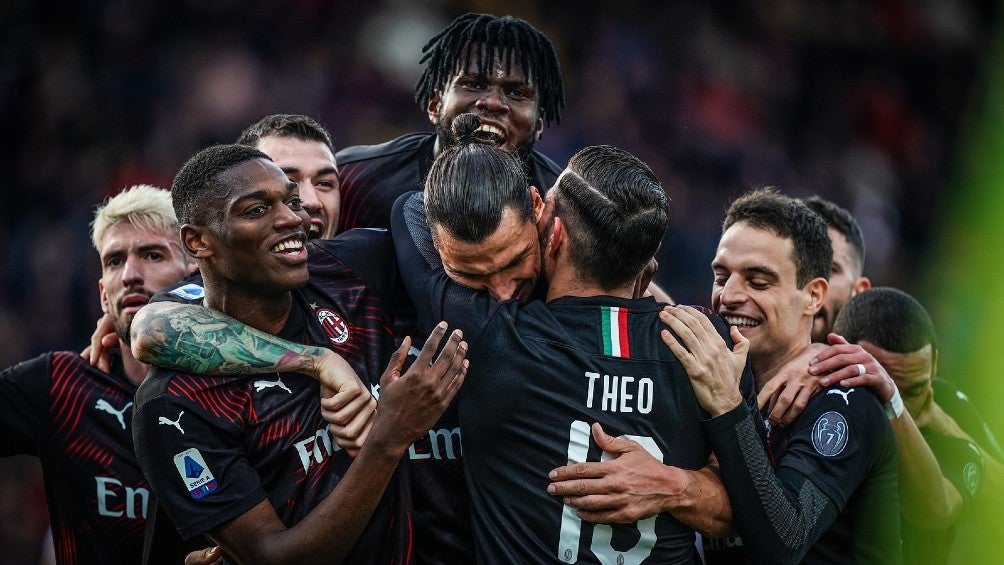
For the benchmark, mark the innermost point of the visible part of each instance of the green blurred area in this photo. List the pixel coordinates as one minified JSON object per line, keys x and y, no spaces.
{"x":963,"y":282}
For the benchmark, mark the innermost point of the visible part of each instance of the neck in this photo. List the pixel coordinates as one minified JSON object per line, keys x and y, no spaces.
{"x":134,"y":369}
{"x":565,"y":282}
{"x":766,"y":366}
{"x":267,"y":313}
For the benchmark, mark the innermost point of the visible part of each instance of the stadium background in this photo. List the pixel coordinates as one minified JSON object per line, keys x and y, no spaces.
{"x":890,"y":108}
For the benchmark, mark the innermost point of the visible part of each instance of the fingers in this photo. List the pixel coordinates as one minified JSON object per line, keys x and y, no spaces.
{"x":742,"y":345}
{"x":766,"y":394}
{"x":603,"y":516}
{"x":452,"y":355}
{"x":431,"y":345}
{"x":207,"y":556}
{"x":561,"y":476}
{"x":795,"y":407}
{"x":342,"y":412}
{"x":396,"y":363}
{"x":611,"y":444}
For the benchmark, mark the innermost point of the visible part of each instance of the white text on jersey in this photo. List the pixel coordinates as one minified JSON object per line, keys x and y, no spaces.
{"x":315,"y":448}
{"x":620,"y":393}
{"x":110,"y":491}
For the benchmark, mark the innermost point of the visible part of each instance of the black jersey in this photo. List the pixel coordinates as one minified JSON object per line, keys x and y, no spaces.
{"x":843,"y":445}
{"x":962,"y":463}
{"x":247,"y":438}
{"x":372,"y":177}
{"x":540,"y":374}
{"x":77,"y":421}
{"x":435,"y":461}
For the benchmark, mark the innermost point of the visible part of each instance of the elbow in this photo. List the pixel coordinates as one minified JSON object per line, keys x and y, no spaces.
{"x":142,"y":340}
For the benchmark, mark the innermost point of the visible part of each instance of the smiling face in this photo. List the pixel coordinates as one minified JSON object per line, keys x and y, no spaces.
{"x":505,"y":264}
{"x":260,"y":246}
{"x":756,"y":289}
{"x":135,"y":264}
{"x":311,"y":165}
{"x":505,"y":101}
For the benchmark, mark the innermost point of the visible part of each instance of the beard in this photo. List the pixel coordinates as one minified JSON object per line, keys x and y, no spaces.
{"x":122,"y":330}
{"x":446,"y":138}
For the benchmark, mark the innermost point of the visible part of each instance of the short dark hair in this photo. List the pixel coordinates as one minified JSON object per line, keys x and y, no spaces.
{"x":616,"y":212}
{"x":198,"y":182}
{"x":887,"y":317}
{"x":843,"y":222}
{"x":764,"y":208}
{"x":485,"y":37}
{"x":286,"y":125}
{"x":470,"y":184}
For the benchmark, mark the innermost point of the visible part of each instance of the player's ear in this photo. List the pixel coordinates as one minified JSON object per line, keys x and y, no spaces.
{"x":555,"y":238}
{"x":861,"y":284}
{"x":538,"y":203}
{"x":195,"y":240}
{"x":432,"y":108}
{"x":538,"y":128}
{"x":103,"y":295}
{"x":815,"y":294}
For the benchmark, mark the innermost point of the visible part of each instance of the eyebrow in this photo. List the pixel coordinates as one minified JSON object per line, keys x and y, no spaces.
{"x":754,"y":269}
{"x":324,"y":171}
{"x":117,"y":251}
{"x":515,"y":261}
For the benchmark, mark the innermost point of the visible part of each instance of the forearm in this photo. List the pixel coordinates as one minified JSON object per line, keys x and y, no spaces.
{"x":989,"y":498}
{"x":927,"y":500}
{"x":330,"y":530}
{"x":776,"y":525}
{"x":703,"y":504}
{"x":203,"y":341}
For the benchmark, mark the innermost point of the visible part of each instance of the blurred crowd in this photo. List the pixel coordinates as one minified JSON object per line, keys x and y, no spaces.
{"x":858,"y":101}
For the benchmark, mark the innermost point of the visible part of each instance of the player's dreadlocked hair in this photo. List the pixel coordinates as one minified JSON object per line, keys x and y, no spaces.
{"x":488,"y":37}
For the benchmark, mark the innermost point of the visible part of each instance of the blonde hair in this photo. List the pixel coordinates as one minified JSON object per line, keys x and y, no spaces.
{"x":144,"y":206}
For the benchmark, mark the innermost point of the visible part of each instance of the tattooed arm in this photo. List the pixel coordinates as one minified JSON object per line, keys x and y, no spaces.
{"x":203,"y":341}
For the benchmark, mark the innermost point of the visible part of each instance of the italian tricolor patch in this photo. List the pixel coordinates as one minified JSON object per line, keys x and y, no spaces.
{"x":615,"y":336}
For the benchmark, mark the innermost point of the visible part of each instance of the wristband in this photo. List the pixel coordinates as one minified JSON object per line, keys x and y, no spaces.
{"x":894,"y":408}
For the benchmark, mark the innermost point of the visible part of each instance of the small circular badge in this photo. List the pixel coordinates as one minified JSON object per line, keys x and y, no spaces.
{"x":829,"y":434}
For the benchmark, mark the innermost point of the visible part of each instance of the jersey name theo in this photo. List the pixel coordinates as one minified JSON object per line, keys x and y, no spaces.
{"x":622,"y":394}
{"x":609,"y":393}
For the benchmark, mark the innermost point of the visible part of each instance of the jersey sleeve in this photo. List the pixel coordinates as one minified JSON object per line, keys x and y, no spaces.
{"x":779,"y":514}
{"x":436,"y":297}
{"x":368,"y":253}
{"x":195,"y":464}
{"x":24,"y":405}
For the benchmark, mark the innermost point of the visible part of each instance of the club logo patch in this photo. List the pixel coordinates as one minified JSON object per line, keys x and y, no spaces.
{"x":829,"y":434}
{"x":971,"y":476}
{"x":334,"y":325}
{"x":190,"y":292}
{"x":198,"y":479}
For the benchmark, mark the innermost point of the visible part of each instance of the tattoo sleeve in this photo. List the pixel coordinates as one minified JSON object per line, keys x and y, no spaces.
{"x":203,"y":341}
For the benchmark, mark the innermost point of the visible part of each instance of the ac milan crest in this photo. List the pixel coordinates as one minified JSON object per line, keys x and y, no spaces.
{"x":334,"y":325}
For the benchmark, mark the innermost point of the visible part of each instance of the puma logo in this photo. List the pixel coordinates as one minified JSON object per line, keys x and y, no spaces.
{"x":842,"y":394}
{"x":104,"y":406}
{"x":176,"y":422}
{"x":262,"y":385}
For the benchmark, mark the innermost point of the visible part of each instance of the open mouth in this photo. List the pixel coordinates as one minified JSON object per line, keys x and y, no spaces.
{"x":741,"y":321}
{"x":490,"y":134}
{"x":314,"y":230}
{"x":288,"y":247}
